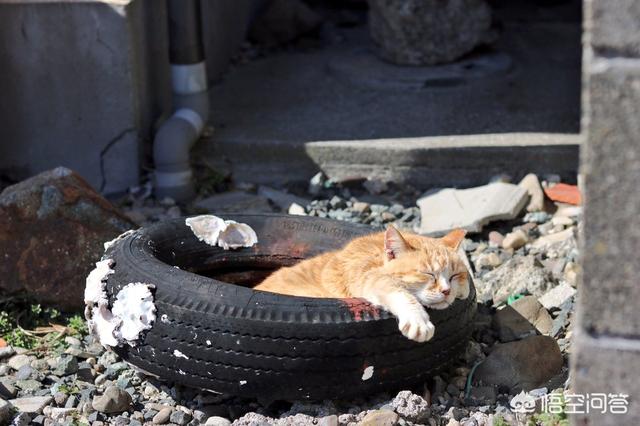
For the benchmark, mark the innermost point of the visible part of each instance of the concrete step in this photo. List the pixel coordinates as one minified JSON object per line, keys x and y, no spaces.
{"x":423,"y":162}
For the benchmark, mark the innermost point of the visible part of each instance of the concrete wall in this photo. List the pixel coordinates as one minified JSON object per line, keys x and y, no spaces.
{"x":607,"y":340}
{"x":85,"y":83}
{"x":82,"y":86}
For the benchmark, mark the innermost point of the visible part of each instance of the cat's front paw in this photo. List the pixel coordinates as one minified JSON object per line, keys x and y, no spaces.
{"x":415,"y":325}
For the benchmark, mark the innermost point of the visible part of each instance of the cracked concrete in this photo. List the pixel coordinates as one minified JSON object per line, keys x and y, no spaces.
{"x":91,"y":105}
{"x":110,"y":160}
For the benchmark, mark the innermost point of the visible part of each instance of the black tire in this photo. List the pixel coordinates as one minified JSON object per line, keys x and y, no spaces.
{"x":257,"y":344}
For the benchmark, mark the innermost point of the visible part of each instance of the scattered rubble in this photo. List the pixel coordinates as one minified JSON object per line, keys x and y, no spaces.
{"x":521,"y":339}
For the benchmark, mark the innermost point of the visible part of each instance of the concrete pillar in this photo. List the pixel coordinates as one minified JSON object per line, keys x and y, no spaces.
{"x":606,"y":351}
{"x":83,"y":83}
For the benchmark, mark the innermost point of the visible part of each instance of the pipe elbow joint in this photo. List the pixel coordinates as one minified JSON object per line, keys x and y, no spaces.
{"x":174,"y":139}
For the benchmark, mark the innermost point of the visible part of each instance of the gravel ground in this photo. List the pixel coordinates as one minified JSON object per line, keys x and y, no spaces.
{"x":534,"y":255}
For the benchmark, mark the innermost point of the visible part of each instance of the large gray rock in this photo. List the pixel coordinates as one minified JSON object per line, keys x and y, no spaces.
{"x":471,"y":208}
{"x":522,"y":365}
{"x":518,"y":275}
{"x":522,"y":318}
{"x":427,"y":32}
{"x":113,"y":400}
{"x":52,"y":230}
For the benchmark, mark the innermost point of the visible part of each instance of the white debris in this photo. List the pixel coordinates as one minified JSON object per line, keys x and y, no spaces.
{"x":557,"y":296}
{"x":134,"y":306}
{"x":227,"y":234}
{"x":208,"y":342}
{"x":206,"y":228}
{"x":103,"y":325}
{"x":94,"y":292}
{"x":164,"y":318}
{"x":368,"y":373}
{"x":243,"y":382}
{"x":125,"y":234}
{"x":237,"y":235}
{"x":179,"y":354}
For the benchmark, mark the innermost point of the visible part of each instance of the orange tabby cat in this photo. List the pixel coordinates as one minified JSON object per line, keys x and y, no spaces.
{"x":399,"y":273}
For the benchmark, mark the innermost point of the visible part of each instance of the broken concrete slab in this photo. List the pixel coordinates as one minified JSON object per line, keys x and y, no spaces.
{"x":52,"y":230}
{"x":235,"y":202}
{"x":471,"y":208}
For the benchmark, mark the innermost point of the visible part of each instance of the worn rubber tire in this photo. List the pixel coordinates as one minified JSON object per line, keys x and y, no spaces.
{"x":258,"y":344}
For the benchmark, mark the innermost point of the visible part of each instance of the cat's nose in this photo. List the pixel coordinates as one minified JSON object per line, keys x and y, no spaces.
{"x":446,"y":292}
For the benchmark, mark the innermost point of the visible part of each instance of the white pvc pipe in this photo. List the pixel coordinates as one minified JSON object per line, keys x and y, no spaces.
{"x":177,"y":135}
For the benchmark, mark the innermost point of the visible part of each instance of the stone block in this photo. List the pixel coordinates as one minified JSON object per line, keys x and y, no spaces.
{"x":606,"y":365}
{"x":611,"y":168}
{"x":614,"y":26}
{"x":84,"y":83}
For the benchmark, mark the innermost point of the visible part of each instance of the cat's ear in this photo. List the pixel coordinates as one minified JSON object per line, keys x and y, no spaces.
{"x":394,"y":244}
{"x":454,"y":238}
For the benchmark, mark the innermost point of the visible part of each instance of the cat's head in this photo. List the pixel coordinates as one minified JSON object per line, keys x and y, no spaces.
{"x":430,"y":268}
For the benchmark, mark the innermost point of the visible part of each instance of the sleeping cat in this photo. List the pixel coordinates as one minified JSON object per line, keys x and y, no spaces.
{"x":397,"y":272}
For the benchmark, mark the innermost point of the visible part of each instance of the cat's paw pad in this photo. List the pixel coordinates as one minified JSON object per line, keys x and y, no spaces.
{"x":416,"y":326}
